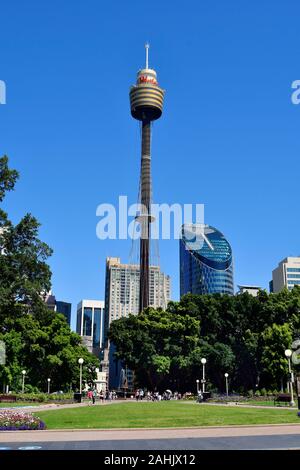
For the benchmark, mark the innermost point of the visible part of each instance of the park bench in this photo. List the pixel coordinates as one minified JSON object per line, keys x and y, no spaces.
{"x":282,"y":398}
{"x":8,"y":398}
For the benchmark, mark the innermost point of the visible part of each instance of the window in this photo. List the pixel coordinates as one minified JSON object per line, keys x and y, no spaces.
{"x":87,"y":321}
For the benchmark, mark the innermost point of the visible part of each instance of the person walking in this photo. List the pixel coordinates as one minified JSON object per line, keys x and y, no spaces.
{"x":94,"y":396}
{"x":101,"y":396}
{"x":90,"y":396}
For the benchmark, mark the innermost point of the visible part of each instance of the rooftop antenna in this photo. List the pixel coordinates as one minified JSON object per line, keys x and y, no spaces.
{"x":147,"y":45}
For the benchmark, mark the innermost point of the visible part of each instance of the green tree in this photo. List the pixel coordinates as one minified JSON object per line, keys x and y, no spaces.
{"x":276,"y":339}
{"x":157,"y":345}
{"x":36,"y":338}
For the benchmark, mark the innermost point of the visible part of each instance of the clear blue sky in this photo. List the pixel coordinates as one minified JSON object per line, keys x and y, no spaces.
{"x":228,"y":138}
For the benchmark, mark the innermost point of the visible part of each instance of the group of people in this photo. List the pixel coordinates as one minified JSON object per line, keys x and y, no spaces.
{"x":92,"y":395}
{"x":156,"y":396}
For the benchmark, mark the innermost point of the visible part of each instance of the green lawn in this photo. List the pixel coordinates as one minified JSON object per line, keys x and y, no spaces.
{"x":17,"y":404}
{"x":261,"y":403}
{"x":163,"y":414}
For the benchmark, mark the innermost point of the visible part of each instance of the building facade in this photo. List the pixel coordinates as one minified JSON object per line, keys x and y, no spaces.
{"x":58,"y":306}
{"x":252,"y":290}
{"x":65,"y":309}
{"x":122,"y":289}
{"x":122,"y":285}
{"x":287,"y":274}
{"x":90,"y":325}
{"x":206,"y":261}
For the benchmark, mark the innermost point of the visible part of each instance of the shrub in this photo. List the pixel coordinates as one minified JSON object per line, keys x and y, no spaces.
{"x":44,"y":397}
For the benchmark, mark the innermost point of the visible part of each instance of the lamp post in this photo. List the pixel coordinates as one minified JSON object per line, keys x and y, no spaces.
{"x":97,"y":370}
{"x":288,"y":353}
{"x":203,"y":362}
{"x":226,"y":382}
{"x":48,"y":380}
{"x":80,"y":362}
{"x":23,"y":380}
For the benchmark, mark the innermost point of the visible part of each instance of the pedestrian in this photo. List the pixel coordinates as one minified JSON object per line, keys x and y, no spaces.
{"x":90,"y":396}
{"x":137,"y":395}
{"x":94,"y":395}
{"x":101,"y":396}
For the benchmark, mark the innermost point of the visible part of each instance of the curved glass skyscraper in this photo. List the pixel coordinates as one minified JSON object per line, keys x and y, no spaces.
{"x":206,"y":264}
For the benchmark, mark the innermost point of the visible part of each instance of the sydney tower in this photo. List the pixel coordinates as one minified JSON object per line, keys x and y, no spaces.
{"x":146,"y":103}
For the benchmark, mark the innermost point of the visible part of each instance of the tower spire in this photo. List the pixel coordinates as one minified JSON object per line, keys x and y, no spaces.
{"x":147,"y":45}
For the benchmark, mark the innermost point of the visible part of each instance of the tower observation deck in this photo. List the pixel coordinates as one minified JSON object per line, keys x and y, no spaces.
{"x":146,"y":104}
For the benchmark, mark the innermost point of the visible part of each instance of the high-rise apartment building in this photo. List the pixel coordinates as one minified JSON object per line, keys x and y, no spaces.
{"x":122,"y":289}
{"x":122,"y":286}
{"x":287,"y":274}
{"x":206,"y":262}
{"x":90,"y":325}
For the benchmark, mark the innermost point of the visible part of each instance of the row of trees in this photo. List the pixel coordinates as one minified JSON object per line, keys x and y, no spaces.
{"x":36,"y":338}
{"x":242,"y":335}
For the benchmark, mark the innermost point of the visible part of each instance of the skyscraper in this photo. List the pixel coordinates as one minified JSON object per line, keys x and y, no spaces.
{"x":58,"y":306}
{"x":65,"y":309}
{"x":90,"y":325}
{"x":146,"y":103}
{"x":122,"y":288}
{"x":206,"y":262}
{"x":287,"y":274}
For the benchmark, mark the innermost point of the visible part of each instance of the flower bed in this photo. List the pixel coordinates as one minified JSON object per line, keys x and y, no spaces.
{"x":12,"y":420}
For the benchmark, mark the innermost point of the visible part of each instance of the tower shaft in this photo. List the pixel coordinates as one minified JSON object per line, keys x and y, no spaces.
{"x":146,"y":105}
{"x":145,"y":214}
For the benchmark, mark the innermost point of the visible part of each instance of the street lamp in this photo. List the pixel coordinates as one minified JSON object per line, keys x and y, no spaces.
{"x":80,"y":362}
{"x":288,"y":353}
{"x":23,"y":380}
{"x":48,"y":380}
{"x":226,"y":381}
{"x":203,"y":362}
{"x":197,"y":382}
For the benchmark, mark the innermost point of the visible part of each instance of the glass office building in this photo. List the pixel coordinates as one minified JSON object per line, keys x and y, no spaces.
{"x":206,"y":262}
{"x":65,"y":309}
{"x":90,"y":325}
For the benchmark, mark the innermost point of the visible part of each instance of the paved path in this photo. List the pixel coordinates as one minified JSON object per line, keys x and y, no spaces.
{"x":55,"y":406}
{"x":225,"y":437}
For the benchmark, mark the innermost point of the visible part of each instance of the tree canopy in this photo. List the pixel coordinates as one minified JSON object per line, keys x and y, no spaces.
{"x":242,"y":335}
{"x":36,"y":338}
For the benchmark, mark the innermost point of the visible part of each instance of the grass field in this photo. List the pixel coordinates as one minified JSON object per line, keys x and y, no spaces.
{"x":163,"y":414}
{"x":17,"y":404}
{"x":262,"y":403}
